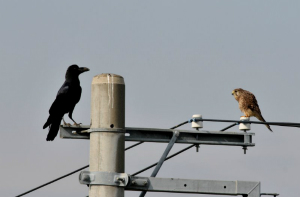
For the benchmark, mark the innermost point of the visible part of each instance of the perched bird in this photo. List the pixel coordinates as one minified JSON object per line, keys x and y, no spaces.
{"x":66,"y":99}
{"x":248,"y":104}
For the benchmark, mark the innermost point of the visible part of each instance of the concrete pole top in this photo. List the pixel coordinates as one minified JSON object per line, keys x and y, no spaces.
{"x":108,"y":78}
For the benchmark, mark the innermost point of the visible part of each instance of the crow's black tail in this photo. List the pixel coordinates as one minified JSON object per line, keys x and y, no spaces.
{"x":47,"y":123}
{"x":53,"y":124}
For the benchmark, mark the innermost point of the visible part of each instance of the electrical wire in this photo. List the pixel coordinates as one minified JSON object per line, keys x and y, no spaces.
{"x":133,"y":145}
{"x":177,"y":153}
{"x":53,"y":181}
{"x":179,"y":125}
{"x":232,"y":125}
{"x":284,"y":124}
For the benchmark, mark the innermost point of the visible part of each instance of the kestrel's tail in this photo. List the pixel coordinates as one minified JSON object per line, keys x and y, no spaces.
{"x":259,"y":117}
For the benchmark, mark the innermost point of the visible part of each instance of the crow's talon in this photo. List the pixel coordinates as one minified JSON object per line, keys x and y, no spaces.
{"x":77,"y":124}
{"x":67,"y":124}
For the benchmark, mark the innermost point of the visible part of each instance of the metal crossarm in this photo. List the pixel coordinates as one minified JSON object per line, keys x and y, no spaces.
{"x":284,"y":124}
{"x":164,"y":136}
{"x":174,"y":185}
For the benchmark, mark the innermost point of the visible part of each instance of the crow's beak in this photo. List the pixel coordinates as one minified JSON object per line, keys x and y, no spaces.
{"x":83,"y":69}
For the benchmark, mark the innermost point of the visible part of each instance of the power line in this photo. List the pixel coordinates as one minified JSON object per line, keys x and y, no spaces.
{"x":133,"y":146}
{"x":179,"y":125}
{"x":177,"y":153}
{"x":229,"y":127}
{"x":284,"y":124}
{"x":53,"y":181}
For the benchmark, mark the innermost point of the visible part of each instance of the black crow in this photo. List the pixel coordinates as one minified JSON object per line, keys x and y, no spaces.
{"x":66,"y":99}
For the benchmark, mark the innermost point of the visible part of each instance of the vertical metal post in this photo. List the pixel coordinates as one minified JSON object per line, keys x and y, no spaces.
{"x":107,"y":148}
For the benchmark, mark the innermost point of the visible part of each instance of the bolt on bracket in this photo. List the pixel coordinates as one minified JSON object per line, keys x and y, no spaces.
{"x":138,"y":182}
{"x":103,"y":178}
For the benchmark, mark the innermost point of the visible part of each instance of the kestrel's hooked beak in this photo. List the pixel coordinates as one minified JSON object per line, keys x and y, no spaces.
{"x":232,"y":93}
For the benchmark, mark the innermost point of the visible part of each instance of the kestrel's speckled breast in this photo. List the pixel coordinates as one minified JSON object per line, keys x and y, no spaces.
{"x":244,"y":106}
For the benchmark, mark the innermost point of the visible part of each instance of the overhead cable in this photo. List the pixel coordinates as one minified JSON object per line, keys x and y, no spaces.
{"x":284,"y":124}
{"x":177,"y":153}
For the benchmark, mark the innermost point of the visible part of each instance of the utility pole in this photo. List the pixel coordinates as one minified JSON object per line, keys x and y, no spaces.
{"x":106,"y":132}
{"x":107,"y":137}
{"x":107,"y":178}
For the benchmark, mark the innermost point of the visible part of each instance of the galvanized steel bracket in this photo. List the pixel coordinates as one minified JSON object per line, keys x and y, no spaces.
{"x":138,"y":181}
{"x":103,"y":178}
{"x":115,"y":130}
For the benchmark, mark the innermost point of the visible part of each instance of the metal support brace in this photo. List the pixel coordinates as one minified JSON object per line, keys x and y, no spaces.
{"x":163,"y":157}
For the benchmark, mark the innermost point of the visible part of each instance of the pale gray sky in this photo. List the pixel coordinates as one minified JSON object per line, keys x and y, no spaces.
{"x":178,"y":58}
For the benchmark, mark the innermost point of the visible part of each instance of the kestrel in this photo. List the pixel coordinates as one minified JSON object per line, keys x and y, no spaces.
{"x":248,"y":104}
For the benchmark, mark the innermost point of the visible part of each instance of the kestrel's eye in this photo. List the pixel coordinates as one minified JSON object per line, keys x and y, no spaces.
{"x":235,"y":91}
